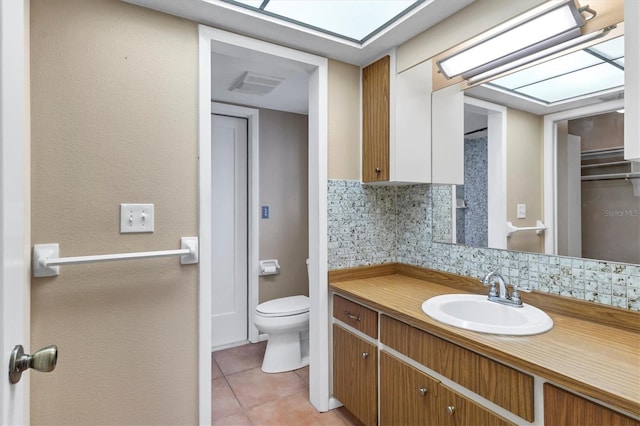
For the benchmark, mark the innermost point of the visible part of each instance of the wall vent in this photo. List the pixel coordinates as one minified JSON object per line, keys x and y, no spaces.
{"x":256,"y":84}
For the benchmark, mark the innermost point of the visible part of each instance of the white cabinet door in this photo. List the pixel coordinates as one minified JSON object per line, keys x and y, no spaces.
{"x":410,"y":155}
{"x":447,"y":135}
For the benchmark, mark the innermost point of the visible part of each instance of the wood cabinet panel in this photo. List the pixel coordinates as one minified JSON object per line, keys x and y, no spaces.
{"x":375,"y":120}
{"x":356,"y":315}
{"x":505,"y":386}
{"x":563,"y":408}
{"x":407,"y":395}
{"x":355,"y":379}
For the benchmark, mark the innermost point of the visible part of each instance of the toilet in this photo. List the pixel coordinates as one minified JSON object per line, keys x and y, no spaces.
{"x":286,"y":321}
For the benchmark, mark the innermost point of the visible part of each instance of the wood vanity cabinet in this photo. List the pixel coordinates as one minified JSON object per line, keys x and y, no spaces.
{"x":355,"y":375}
{"x":564,"y":408}
{"x":411,"y":397}
{"x":396,"y":122}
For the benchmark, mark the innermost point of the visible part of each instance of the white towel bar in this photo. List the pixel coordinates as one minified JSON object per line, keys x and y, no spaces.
{"x":539,"y":228}
{"x":46,"y":262}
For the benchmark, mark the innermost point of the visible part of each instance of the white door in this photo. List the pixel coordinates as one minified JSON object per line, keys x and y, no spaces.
{"x":229,"y":321}
{"x":14,"y":279}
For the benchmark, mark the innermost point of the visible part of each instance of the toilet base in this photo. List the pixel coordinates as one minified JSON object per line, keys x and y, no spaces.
{"x":286,"y":352}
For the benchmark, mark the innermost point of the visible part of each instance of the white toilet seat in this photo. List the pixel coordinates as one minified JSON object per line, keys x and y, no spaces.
{"x":284,"y":306}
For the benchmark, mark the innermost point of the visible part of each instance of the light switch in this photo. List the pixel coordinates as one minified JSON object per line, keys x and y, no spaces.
{"x":136,"y":218}
{"x":522,"y":211}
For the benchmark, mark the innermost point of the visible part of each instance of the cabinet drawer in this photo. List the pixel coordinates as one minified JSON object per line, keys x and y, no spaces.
{"x":505,"y":386}
{"x":356,"y":315}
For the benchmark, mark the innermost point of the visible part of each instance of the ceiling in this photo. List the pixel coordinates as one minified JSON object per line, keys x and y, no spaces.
{"x":226,"y":16}
{"x":292,"y":95}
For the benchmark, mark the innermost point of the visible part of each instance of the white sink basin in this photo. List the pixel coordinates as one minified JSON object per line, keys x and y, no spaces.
{"x":476,"y":313}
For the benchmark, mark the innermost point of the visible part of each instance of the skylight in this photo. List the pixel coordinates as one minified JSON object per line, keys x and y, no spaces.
{"x":353,"y":20}
{"x":586,"y":72}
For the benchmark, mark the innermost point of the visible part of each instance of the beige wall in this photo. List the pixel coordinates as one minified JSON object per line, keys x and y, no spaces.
{"x":344,"y":121}
{"x":524,"y":177}
{"x":283,"y":187}
{"x":114,"y":119}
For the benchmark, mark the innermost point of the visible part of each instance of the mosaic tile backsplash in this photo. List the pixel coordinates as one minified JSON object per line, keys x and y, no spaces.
{"x":370,"y":225}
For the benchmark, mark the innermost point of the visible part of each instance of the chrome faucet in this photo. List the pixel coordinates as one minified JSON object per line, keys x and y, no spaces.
{"x":501,"y":294}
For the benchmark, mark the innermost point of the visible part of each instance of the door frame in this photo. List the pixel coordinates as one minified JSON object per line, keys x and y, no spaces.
{"x":210,"y":40}
{"x":14,"y":192}
{"x":252,"y":116}
{"x":497,"y":169}
{"x":550,"y":165}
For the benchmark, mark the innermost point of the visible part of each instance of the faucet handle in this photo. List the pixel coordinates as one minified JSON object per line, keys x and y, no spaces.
{"x":516,"y":287}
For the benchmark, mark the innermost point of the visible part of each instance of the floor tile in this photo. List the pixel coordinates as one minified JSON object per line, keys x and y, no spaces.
{"x":303,"y":373}
{"x":240,"y":358}
{"x":215,"y":370}
{"x":292,"y":410}
{"x":223,"y":401}
{"x":253,"y":387}
{"x":237,"y":420}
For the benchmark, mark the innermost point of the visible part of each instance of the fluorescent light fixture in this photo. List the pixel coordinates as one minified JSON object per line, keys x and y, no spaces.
{"x":482,"y":76}
{"x":540,"y":29}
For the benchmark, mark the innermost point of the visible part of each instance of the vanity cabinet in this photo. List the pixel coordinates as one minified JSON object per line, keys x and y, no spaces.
{"x":564,"y":408}
{"x":355,"y":378}
{"x":396,"y":122}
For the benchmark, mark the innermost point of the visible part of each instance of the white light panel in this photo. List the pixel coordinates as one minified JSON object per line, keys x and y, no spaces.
{"x":579,"y":83}
{"x":522,"y":36}
{"x":562,"y":65}
{"x":351,"y":19}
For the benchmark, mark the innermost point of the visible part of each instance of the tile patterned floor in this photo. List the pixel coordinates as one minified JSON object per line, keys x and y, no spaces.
{"x":243,"y":395}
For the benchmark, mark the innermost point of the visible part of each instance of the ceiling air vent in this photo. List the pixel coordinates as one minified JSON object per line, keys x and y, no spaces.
{"x":256,"y":84}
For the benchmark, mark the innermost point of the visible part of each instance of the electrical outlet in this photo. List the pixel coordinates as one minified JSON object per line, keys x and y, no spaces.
{"x":136,"y":218}
{"x":522,"y":211}
{"x":265,"y":212}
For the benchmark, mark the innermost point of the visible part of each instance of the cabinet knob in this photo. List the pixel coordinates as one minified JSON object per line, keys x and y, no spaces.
{"x":364,"y":355}
{"x":378,"y":170}
{"x":423,"y":391}
{"x":451,"y":409}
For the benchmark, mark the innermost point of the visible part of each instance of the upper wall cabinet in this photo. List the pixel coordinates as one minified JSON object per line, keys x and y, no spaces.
{"x":447,"y":135}
{"x":396,"y":125}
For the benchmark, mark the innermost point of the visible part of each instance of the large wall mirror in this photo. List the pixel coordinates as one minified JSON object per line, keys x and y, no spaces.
{"x":543,"y":161}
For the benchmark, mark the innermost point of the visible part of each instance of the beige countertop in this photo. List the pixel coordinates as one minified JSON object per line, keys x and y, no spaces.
{"x":598,"y":360}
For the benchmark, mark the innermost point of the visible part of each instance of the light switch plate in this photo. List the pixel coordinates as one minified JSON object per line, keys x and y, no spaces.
{"x":522,"y":211}
{"x":136,"y":218}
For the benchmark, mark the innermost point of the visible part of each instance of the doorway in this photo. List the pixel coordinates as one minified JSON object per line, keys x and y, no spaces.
{"x":217,"y":41}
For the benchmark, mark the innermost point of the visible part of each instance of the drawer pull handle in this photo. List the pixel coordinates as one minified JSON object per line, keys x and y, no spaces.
{"x":364,"y":355}
{"x":352,"y":316}
{"x":451,"y":409}
{"x":423,"y":391}
{"x":378,"y":170}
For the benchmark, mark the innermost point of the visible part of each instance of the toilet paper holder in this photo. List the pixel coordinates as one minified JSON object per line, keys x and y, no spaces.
{"x":269,"y":267}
